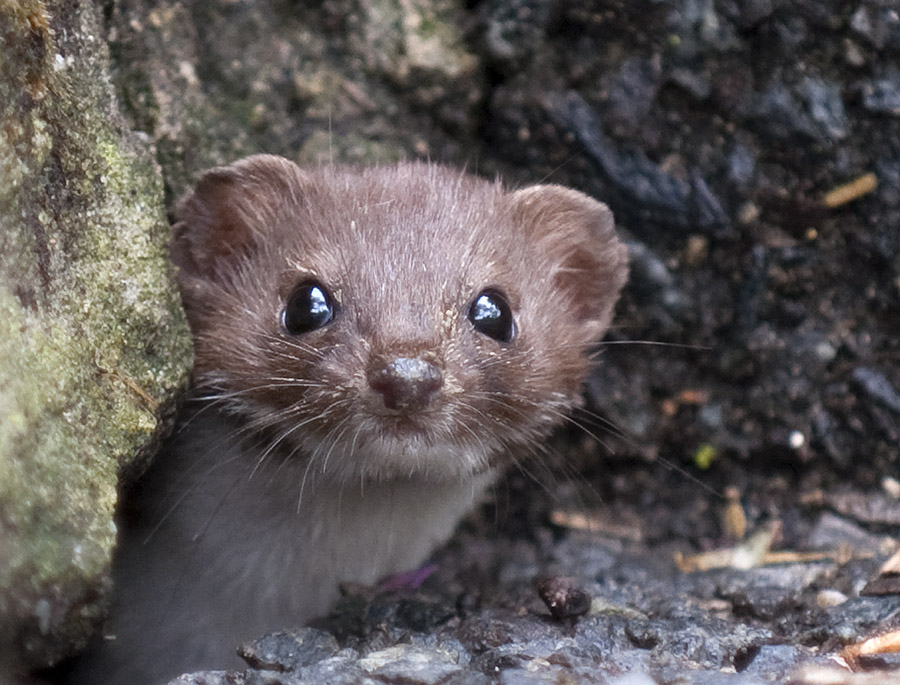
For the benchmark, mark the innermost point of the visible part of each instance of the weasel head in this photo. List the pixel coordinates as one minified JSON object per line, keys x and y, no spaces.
{"x":391,"y":322}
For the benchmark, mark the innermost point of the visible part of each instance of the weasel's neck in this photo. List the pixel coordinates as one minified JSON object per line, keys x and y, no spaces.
{"x":239,"y":549}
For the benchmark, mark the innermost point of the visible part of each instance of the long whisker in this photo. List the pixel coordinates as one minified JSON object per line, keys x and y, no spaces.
{"x":655,"y":343}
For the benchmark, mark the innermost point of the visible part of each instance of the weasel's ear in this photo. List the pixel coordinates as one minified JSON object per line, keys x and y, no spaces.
{"x":576,"y":236}
{"x":228,"y":213}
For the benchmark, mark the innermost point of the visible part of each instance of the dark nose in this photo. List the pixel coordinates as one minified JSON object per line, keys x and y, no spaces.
{"x":406,"y":383}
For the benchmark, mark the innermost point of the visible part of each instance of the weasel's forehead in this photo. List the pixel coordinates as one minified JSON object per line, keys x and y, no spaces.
{"x":416,"y":225}
{"x":399,"y":218}
{"x":419,"y":209}
{"x":403,"y":189}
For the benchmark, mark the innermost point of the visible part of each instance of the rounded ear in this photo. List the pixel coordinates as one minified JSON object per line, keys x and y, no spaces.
{"x":576,"y":235}
{"x":229,"y":212}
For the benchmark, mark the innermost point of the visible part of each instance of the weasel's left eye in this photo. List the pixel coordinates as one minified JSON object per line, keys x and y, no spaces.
{"x":310,"y":306}
{"x":491,"y":315}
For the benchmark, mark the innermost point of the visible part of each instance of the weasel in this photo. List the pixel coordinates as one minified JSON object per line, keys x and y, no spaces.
{"x":372,"y":346}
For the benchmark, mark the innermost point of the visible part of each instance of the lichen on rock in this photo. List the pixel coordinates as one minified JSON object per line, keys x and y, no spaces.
{"x":93,"y":345}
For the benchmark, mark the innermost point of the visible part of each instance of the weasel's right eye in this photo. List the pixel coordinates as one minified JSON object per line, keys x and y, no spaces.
{"x":492,"y":316}
{"x":310,"y":306}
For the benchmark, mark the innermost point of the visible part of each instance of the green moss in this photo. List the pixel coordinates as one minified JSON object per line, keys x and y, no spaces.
{"x":93,"y":344}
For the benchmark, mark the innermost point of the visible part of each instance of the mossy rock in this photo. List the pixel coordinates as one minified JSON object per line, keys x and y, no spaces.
{"x":93,"y":345}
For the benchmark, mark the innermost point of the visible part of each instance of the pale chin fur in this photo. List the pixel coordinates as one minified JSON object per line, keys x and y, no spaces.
{"x":369,"y":452}
{"x":386,"y":458}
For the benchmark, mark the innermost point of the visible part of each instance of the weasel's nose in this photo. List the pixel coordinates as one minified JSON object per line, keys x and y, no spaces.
{"x":407,"y":384}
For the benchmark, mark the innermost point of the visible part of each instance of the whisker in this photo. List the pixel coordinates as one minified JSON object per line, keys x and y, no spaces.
{"x":655,"y":343}
{"x":284,"y":435}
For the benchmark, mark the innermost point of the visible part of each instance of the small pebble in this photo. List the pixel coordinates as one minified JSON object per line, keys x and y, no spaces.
{"x":564,"y":597}
{"x":891,"y":486}
{"x":830,"y":598}
{"x":748,"y":213}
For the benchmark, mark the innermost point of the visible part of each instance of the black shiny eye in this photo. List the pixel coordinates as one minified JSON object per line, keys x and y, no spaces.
{"x":491,"y":315}
{"x":310,"y":306}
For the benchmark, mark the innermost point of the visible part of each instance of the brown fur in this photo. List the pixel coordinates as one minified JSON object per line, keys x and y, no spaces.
{"x":293,"y":475}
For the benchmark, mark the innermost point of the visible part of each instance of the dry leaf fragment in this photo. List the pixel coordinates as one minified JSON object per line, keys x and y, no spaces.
{"x":880,"y":644}
{"x":750,"y":553}
{"x":596,"y":523}
{"x":888,"y":580}
{"x":892,"y":565}
{"x":822,"y":675}
{"x":734,"y":520}
{"x":850,"y":191}
{"x":755,"y":551}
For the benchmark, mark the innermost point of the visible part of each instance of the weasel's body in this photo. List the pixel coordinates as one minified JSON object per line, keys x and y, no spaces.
{"x":237,"y":558}
{"x":371,"y":346}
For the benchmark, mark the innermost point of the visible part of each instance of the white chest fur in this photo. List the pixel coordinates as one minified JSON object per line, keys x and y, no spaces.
{"x":232,"y":552}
